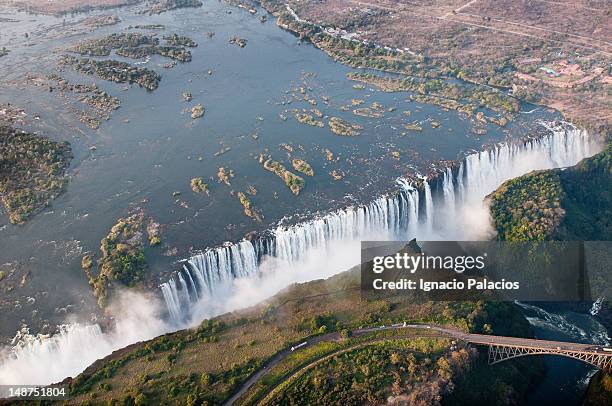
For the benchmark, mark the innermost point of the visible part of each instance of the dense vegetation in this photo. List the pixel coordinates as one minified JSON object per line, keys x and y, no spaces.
{"x":528,"y":208}
{"x":137,"y":45}
{"x":123,"y":260}
{"x":588,"y":199}
{"x":599,"y":391}
{"x":115,"y":71}
{"x":103,"y":46}
{"x":180,"y":40}
{"x":458,"y":96}
{"x":415,"y":371}
{"x":32,"y":172}
{"x":570,"y":204}
{"x":131,"y":45}
{"x":160,"y":6}
{"x":294,"y":182}
{"x":206,"y":364}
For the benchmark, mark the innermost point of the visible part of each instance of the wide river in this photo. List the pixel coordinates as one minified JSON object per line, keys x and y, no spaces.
{"x":151,"y":148}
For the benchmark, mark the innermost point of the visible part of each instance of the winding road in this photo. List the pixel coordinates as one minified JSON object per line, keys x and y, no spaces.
{"x":503,"y":348}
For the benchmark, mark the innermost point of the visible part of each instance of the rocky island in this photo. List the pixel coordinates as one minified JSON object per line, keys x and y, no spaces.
{"x":199,"y":186}
{"x":302,"y":166}
{"x":161,"y":6}
{"x":293,"y":182}
{"x":115,"y":71}
{"x":240,"y":42}
{"x":249,"y":210}
{"x":197,"y":111}
{"x":342,"y":127}
{"x":122,"y":262}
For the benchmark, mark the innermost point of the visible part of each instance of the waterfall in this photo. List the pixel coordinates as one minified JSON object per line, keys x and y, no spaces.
{"x":429,"y":207}
{"x":448,"y":190}
{"x":169,"y":293}
{"x":42,"y":359}
{"x":236,"y":275}
{"x":410,"y":223}
{"x":460,"y":187}
{"x":408,"y":213}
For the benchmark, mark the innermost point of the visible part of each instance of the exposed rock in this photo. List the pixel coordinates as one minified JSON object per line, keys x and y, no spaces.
{"x":199,"y":186}
{"x":225,"y":176}
{"x":341,"y":127}
{"x":302,"y":166}
{"x":337,"y":174}
{"x":154,"y":232}
{"x":249,"y":210}
{"x":305,"y":117}
{"x":293,"y":182}
{"x":87,"y":262}
{"x":413,"y":126}
{"x":197,"y":111}
{"x":241,"y":42}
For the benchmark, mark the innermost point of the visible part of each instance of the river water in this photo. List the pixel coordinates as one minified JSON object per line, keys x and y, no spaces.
{"x":151,"y":148}
{"x":565,"y":379}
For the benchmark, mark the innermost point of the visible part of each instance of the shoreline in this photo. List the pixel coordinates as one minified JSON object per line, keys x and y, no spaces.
{"x":591,"y":124}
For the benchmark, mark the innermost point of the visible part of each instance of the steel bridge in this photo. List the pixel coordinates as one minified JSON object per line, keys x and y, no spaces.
{"x":504,"y":348}
{"x":501,"y":352}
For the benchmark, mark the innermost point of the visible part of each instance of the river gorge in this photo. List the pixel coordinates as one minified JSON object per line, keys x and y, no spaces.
{"x":385,"y":166}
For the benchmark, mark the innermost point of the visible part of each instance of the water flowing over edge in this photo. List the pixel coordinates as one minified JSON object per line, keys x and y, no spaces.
{"x":438,"y":207}
{"x":447,"y":207}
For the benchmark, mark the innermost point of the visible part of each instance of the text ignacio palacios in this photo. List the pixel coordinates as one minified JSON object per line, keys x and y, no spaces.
{"x":411,"y":263}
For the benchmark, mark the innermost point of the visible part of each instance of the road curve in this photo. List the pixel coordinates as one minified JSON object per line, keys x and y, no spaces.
{"x":477,"y":339}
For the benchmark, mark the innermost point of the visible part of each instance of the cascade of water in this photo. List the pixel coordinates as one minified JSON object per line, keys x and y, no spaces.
{"x":399,"y":215}
{"x":201,"y":282}
{"x":448,"y":189}
{"x":172,"y":303}
{"x":42,"y":359}
{"x":429,"y":208}
{"x":184,"y":290}
{"x":460,"y":187}
{"x":192,"y":282}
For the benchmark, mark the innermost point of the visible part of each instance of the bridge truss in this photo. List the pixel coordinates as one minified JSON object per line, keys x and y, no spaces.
{"x":500,"y":352}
